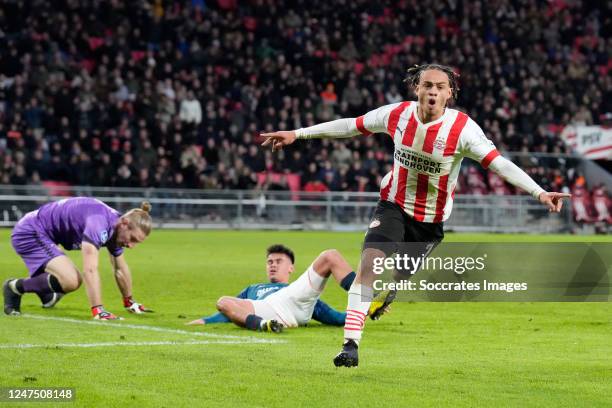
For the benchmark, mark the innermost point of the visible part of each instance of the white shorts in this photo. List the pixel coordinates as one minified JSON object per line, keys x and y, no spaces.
{"x":292,"y":306}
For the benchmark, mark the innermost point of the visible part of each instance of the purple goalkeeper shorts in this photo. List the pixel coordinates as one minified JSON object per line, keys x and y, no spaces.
{"x":32,"y":244}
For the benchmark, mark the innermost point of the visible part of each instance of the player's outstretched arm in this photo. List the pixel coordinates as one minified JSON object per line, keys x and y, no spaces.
{"x":335,"y":129}
{"x":517,"y":177}
{"x":372,"y":122}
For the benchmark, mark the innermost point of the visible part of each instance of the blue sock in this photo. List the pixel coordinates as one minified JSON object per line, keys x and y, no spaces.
{"x":253,"y":322}
{"x":348,"y":281}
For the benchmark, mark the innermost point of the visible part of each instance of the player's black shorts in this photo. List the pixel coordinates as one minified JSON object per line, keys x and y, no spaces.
{"x":393,"y":231}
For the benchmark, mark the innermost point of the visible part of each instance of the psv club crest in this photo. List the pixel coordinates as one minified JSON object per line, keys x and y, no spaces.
{"x":439,"y":143}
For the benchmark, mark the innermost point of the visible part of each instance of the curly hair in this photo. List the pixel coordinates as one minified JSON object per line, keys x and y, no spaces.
{"x":414,"y":76}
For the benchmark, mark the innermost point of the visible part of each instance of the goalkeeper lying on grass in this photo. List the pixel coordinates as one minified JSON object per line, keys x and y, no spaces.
{"x":272,"y":306}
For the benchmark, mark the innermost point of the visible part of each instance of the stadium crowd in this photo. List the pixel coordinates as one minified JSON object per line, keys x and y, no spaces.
{"x":174,"y":93}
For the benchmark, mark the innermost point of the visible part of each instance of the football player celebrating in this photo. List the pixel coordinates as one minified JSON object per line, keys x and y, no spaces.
{"x":75,"y":223}
{"x":416,"y":197}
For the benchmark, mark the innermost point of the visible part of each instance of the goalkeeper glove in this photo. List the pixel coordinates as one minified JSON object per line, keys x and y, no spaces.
{"x":134,"y":307}
{"x":99,"y":313}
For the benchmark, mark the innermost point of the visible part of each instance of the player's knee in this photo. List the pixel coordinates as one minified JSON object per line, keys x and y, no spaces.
{"x":79,"y":280}
{"x":369,"y":257}
{"x":330,"y":257}
{"x":224,"y":303}
{"x":70,"y":285}
{"x":71,"y":282}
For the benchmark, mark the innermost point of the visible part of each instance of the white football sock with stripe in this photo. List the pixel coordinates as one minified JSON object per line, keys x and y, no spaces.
{"x":359,"y":299}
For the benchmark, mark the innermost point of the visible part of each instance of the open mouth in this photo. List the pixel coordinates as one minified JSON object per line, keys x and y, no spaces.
{"x":431,"y":102}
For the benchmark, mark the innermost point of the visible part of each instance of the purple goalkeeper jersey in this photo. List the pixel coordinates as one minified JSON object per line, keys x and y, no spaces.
{"x":71,"y":221}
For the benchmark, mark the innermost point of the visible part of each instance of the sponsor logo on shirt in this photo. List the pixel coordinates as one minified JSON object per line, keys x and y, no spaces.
{"x":263,"y":291}
{"x":103,"y":236}
{"x":374,"y":224}
{"x":418,"y":162}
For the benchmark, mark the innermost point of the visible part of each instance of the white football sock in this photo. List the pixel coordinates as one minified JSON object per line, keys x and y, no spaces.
{"x":359,"y":299}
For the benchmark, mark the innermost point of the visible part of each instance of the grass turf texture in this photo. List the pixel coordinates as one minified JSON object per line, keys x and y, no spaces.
{"x":422,"y":354}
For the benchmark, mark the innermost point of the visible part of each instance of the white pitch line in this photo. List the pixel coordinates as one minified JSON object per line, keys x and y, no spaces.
{"x":124,"y":343}
{"x":249,"y":339}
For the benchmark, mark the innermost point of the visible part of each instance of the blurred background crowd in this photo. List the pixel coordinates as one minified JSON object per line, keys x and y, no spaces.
{"x":174,"y":93}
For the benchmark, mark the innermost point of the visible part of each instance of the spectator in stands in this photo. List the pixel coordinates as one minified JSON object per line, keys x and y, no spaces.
{"x":191,"y":110}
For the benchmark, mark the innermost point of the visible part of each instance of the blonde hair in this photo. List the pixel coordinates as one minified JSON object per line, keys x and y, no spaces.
{"x":139,"y":217}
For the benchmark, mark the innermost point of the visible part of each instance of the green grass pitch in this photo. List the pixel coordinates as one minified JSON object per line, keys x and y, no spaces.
{"x":421,"y":355}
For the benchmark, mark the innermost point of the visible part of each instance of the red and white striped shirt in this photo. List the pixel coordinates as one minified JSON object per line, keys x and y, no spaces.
{"x":427,"y":157}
